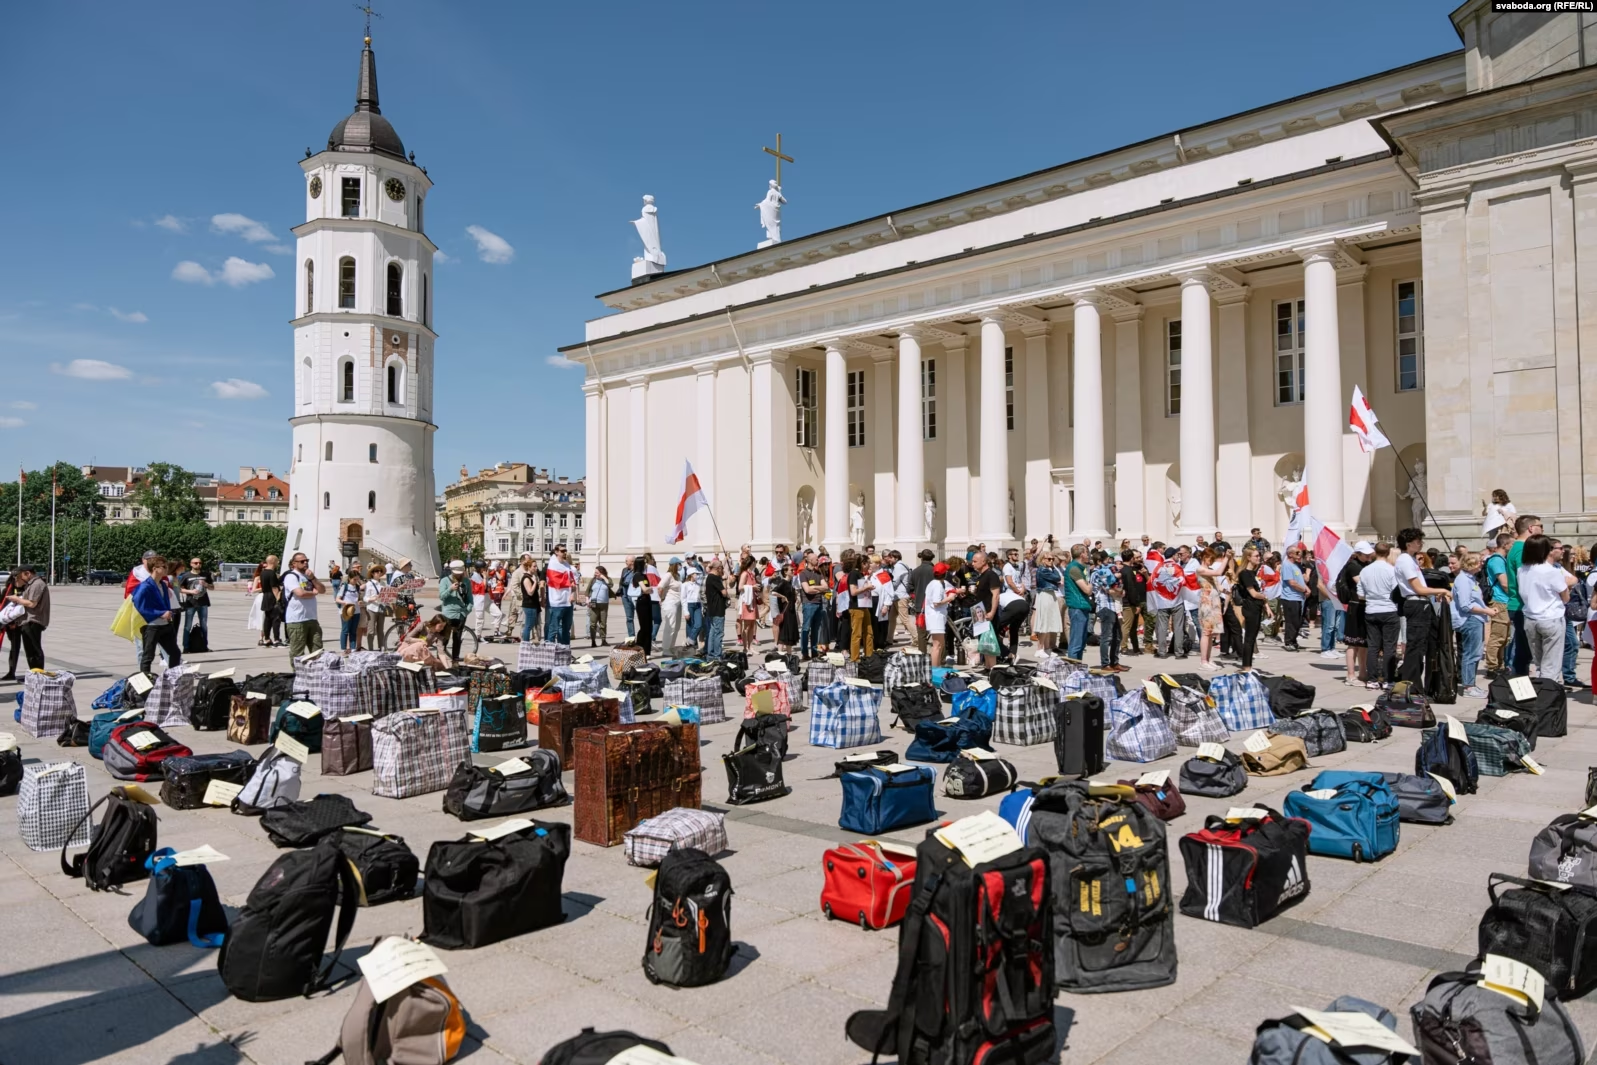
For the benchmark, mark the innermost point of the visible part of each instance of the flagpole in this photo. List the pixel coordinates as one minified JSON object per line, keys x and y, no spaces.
{"x":21,"y":480}
{"x":52,"y":525}
{"x":1423,"y":501}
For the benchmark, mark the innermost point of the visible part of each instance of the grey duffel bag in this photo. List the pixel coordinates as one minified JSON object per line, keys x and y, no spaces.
{"x":1566,"y":851}
{"x":1420,"y":800}
{"x":1459,"y":1021}
{"x":1200,"y":776}
{"x":1283,"y":1041}
{"x":1320,"y":730}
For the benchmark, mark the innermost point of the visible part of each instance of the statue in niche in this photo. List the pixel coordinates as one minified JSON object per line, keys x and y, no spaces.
{"x":856,"y":520}
{"x":806,"y":521}
{"x":1415,"y":494}
{"x":1173,"y":497}
{"x":1011,"y":513}
{"x":1291,"y":488}
{"x":930,"y":519}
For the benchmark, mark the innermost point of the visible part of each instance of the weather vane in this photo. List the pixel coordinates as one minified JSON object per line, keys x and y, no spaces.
{"x":371,"y":12}
{"x":777,"y":151}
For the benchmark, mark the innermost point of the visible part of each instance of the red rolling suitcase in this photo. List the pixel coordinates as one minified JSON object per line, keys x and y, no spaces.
{"x":867,"y":884}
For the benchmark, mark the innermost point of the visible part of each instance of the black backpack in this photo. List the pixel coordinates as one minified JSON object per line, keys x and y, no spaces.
{"x":10,"y":770}
{"x":989,"y":985}
{"x":1365,"y":726}
{"x":754,"y":774}
{"x":597,"y":1048}
{"x":873,"y":667}
{"x":690,"y":921}
{"x":274,"y":949}
{"x":384,"y":866}
{"x":121,"y":842}
{"x":769,"y":729}
{"x":74,"y":733}
{"x":213,"y":701}
{"x":195,"y":643}
{"x":300,"y":824}
{"x":649,"y":677}
{"x":1454,"y":759}
{"x":477,"y":792}
{"x":915,"y":703}
{"x":180,"y":904}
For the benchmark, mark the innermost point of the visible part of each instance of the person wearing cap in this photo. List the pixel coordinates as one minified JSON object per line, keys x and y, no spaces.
{"x":454,"y":603}
{"x":300,"y":589}
{"x":937,"y":597}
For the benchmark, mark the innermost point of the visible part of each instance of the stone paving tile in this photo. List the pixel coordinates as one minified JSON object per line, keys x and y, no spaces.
{"x":1169,"y":1041}
{"x":148,"y":1027}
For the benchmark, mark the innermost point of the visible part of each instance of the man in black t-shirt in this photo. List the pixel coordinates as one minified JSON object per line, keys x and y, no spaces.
{"x":988,"y":586}
{"x":1134,"y":583}
{"x":194,"y":590}
{"x":714,"y":610}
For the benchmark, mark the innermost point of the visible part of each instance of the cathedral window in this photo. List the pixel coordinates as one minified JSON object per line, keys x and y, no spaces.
{"x":396,"y":383}
{"x":346,"y":283}
{"x":856,"y":408}
{"x":310,"y":287}
{"x":806,"y":407}
{"x":351,"y":197}
{"x":1289,"y":352}
{"x":329,"y":452}
{"x":371,"y":502}
{"x":396,"y":284}
{"x":1172,"y":368}
{"x":1410,"y":338}
{"x":426,"y":307}
{"x":346,"y":380}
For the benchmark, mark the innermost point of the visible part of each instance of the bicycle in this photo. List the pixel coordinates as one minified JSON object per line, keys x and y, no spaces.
{"x":407,"y":622}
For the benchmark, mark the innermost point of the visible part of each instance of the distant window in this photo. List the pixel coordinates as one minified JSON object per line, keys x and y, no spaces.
{"x":310,"y":286}
{"x":1410,"y":338}
{"x":806,"y":407}
{"x":329,"y":456}
{"x":327,"y":501}
{"x":1172,"y":368}
{"x":116,"y":512}
{"x":576,"y":521}
{"x":393,"y":383}
{"x":240,"y":515}
{"x":350,"y":201}
{"x":396,"y":288}
{"x":856,"y":408}
{"x":346,"y":283}
{"x":299,"y":452}
{"x":928,"y":399}
{"x":418,"y":214}
{"x":562,"y":521}
{"x":250,"y":493}
{"x":346,"y":392}
{"x":426,"y":304}
{"x":371,"y":501}
{"x":371,"y":452}
{"x":1289,"y":317}
{"x":1009,"y":388}
{"x":504,"y":545}
{"x":273,"y":493}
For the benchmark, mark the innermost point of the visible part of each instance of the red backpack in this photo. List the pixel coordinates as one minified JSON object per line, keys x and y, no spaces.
{"x":137,"y":750}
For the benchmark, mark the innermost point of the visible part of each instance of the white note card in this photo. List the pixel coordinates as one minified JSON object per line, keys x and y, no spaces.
{"x":981,"y":838}
{"x":503,"y":828}
{"x":203,"y":855}
{"x":1211,"y":752}
{"x":1259,"y":741}
{"x":1157,"y":779}
{"x":303,"y":709}
{"x":356,"y":717}
{"x":978,"y":754}
{"x":1321,"y":793}
{"x":396,"y":963}
{"x":221,"y":793}
{"x":414,"y":667}
{"x":1532,"y":764}
{"x":981,"y":685}
{"x":836,"y":658}
{"x":1044,"y":682}
{"x":1244,"y":813}
{"x":1354,"y":1029}
{"x":1455,"y":729}
{"x":143,"y":740}
{"x":141,"y":683}
{"x":222,"y":673}
{"x":585,"y":659}
{"x":642,"y":1055}
{"x":8,"y":742}
{"x":776,"y":667}
{"x":1522,"y":689}
{"x":1513,"y":978}
{"x":580,"y":697}
{"x":1151,"y":689}
{"x":858,"y":682}
{"x":129,"y":715}
{"x":1505,"y":714}
{"x":1447,"y":786}
{"x":611,"y":693}
{"x":512,"y":766}
{"x":292,"y":747}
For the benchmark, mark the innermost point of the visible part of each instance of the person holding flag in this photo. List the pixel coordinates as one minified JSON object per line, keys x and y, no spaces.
{"x":560,"y":581}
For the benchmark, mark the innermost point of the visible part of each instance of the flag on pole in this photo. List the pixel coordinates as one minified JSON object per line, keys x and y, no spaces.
{"x":1298,"y":525}
{"x":688,"y":504}
{"x":1331,"y":553}
{"x":1362,"y":419}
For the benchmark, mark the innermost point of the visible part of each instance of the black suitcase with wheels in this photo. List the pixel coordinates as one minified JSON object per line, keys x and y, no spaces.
{"x":1078,"y":743}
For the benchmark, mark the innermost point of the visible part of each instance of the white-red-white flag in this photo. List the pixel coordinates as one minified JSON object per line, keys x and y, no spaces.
{"x":1298,"y":526}
{"x":1362,"y":419}
{"x":1331,"y":553}
{"x":688,"y":504}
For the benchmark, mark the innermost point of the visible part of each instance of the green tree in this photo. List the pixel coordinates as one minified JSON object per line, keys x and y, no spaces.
{"x":77,"y":497}
{"x":452,"y":544}
{"x":166,"y":492}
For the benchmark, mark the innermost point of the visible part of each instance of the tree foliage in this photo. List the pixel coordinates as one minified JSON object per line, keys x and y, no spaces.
{"x":452,"y":543}
{"x":78,"y":497}
{"x":119,"y":547}
{"x":166,"y":491}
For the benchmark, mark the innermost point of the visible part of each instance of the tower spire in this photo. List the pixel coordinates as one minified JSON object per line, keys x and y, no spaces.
{"x":366,"y":93}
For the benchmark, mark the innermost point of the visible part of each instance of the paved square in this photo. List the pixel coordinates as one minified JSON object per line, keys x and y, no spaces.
{"x":77,"y":985}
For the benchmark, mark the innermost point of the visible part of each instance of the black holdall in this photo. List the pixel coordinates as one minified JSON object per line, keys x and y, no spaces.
{"x":121,"y":842}
{"x":1288,"y":696}
{"x":873,"y":667}
{"x":976,"y":774}
{"x":1078,"y":744}
{"x":187,"y":779}
{"x":754,"y":774}
{"x":853,"y":763}
{"x":690,"y":921}
{"x":589,"y":1047}
{"x":1365,"y":724}
{"x":300,"y":824}
{"x":1513,"y":720}
{"x":1216,"y":778}
{"x":274,"y":949}
{"x":385,"y":868}
{"x":10,"y":766}
{"x":1320,"y":731}
{"x":213,"y":702}
{"x":180,"y":905}
{"x":478,"y":891}
{"x":915,"y":703}
{"x":769,"y":729}
{"x":529,"y":782}
{"x":1244,"y":872}
{"x":1566,"y":851}
{"x":74,"y":734}
{"x":1549,"y":928}
{"x":1549,"y":704}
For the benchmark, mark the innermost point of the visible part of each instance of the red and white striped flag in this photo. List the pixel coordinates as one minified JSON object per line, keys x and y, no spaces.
{"x":691,"y":500}
{"x":1331,"y":553}
{"x":1362,"y":419}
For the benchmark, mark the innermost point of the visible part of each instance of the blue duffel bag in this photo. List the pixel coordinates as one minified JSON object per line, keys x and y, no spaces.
{"x":1350,"y":815}
{"x":941,"y":741}
{"x":111,"y":698}
{"x":879,"y":799}
{"x":100,"y":726}
{"x":983,"y":702}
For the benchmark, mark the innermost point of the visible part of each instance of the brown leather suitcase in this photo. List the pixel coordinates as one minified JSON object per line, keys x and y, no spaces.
{"x":249,"y":719}
{"x":629,"y":773}
{"x":557,"y":722}
{"x":347,"y":746}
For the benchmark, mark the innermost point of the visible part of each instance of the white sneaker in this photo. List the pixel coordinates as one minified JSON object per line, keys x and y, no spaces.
{"x":1472,"y":692}
{"x":1331,"y":654}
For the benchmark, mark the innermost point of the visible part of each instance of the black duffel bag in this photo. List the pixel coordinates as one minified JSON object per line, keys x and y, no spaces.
{"x":769,"y":729}
{"x":478,"y":792}
{"x":598,"y":1048}
{"x":1320,"y":731}
{"x":300,"y":824}
{"x":478,"y":891}
{"x":754,"y":774}
{"x":1549,"y":706}
{"x":385,"y":867}
{"x":978,"y":774}
{"x":1365,"y":726}
{"x":873,"y":667}
{"x":1518,"y":721}
{"x":1288,"y":696}
{"x":187,"y":779}
{"x":915,"y":703}
{"x":1552,"y":931}
{"x":275,"y":686}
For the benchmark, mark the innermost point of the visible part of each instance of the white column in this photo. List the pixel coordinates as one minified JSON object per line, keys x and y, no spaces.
{"x":594,"y":509}
{"x":992,"y":521}
{"x":836,"y":437}
{"x":879,"y":435}
{"x":908,"y":521}
{"x":1234,"y":494}
{"x":1091,"y":517}
{"x":770,"y":449}
{"x":1039,"y":462}
{"x":955,"y":422}
{"x":704,"y":450}
{"x":636,"y":489}
{"x":1323,"y":402}
{"x":1130,"y":508}
{"x":1197,"y":407}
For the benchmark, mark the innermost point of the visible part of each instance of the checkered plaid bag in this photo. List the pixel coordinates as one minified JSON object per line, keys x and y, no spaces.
{"x":793,"y":683}
{"x":906,"y":668}
{"x":844,"y":715}
{"x":1025,"y":715}
{"x":821,"y":673}
{"x":388,"y":689}
{"x":781,"y":702}
{"x":1498,"y":751}
{"x":170,"y":701}
{"x":546,"y":655}
{"x":653,"y":839}
{"x":1192,"y":719}
{"x":417,"y":752}
{"x":701,"y":692}
{"x":1105,"y":686}
{"x":1242,"y":701}
{"x":1057,"y":667}
{"x":623,"y":655}
{"x":590,"y":677}
{"x":51,"y":800}
{"x":1138,"y":731}
{"x":48,"y":704}
{"x":315,"y":662}
{"x":362,"y":661}
{"x":332,"y":690}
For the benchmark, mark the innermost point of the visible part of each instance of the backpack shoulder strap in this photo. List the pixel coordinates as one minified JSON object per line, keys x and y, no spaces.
{"x":75,"y":867}
{"x":349,"y":899}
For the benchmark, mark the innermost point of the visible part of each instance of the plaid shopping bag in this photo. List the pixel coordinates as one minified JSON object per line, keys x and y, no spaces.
{"x":820,"y":673}
{"x":1192,"y":718}
{"x":332,"y":690}
{"x":781,"y":702}
{"x":590,"y":677}
{"x":172,"y":698}
{"x":702,"y":692}
{"x":905,"y":668}
{"x":362,"y":661}
{"x":1025,"y":715}
{"x":546,"y":655}
{"x":1498,"y":751}
{"x":1242,"y":701}
{"x":417,"y":751}
{"x":793,"y":683}
{"x":1138,"y":731}
{"x":387,"y":690}
{"x":52,"y":800}
{"x":48,"y":704}
{"x":315,"y":662}
{"x":653,"y":839}
{"x":1105,"y":686}
{"x":845,"y":715}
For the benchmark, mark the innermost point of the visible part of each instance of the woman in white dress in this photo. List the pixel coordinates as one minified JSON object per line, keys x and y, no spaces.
{"x":1047,"y":620}
{"x":669,"y":593}
{"x":257,"y":616}
{"x":1499,"y":515}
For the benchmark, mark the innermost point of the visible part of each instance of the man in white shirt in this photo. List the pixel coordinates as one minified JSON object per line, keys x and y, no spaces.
{"x":1377,"y":582}
{"x":1416,"y":597}
{"x":300,"y":589}
{"x":1191,"y":593}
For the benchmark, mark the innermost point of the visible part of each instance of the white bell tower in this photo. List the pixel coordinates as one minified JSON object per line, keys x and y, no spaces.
{"x":362,"y":462}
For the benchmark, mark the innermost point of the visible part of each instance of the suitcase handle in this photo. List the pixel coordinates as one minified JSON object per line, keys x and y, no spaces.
{"x":876,"y":856}
{"x":1495,"y":881}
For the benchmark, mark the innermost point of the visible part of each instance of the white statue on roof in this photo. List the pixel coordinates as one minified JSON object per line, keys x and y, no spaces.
{"x":653,"y":259}
{"x":770,"y":210}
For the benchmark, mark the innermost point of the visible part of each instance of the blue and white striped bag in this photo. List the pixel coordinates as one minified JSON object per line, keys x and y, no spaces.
{"x":1138,"y":731}
{"x":1105,"y":686}
{"x":1242,"y":701}
{"x":845,"y":715}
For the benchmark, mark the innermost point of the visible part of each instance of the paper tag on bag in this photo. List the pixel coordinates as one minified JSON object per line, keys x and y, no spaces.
{"x":1044,"y":682}
{"x":141,"y":683}
{"x":1514,"y":979}
{"x":1244,"y":813}
{"x":1321,"y":793}
{"x":1447,"y":786}
{"x":221,"y":793}
{"x":292,"y":747}
{"x":1505,"y":714}
{"x":511,"y":767}
{"x":1522,"y":689}
{"x":1455,"y":729}
{"x":1157,"y":779}
{"x":1211,"y":752}
{"x":303,"y":709}
{"x":775,"y":668}
{"x":1353,"y":1029}
{"x":1259,"y":741}
{"x":611,"y":693}
{"x":203,"y":855}
{"x":414,"y":667}
{"x":222,"y":673}
{"x":131,"y":714}
{"x":504,"y":828}
{"x":981,"y":685}
{"x":138,"y":794}
{"x":1152,"y":692}
{"x":580,"y":697}
{"x":396,"y":963}
{"x":858,"y":682}
{"x":356,"y":717}
{"x":836,"y":658}
{"x":585,"y":659}
{"x":980,"y":838}
{"x":978,"y":754}
{"x":642,"y":1055}
{"x":143,"y":740}
{"x":254,"y":695}
{"x":8,"y":742}
{"x":1532,"y":764}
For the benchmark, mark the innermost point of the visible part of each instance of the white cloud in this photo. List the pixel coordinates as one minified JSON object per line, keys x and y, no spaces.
{"x":12,"y":423}
{"x":129,"y":316}
{"x":440,"y":256}
{"x":238,"y":273}
{"x":192,"y":272}
{"x":92,"y":370}
{"x":560,"y":362}
{"x":173,"y":223}
{"x":24,"y":404}
{"x":237,"y":388}
{"x":280,"y":249}
{"x":491,"y":247}
{"x":251,"y":230}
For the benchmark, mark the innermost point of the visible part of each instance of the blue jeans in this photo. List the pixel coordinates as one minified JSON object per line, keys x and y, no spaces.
{"x":694,"y":621}
{"x":201,"y":615}
{"x":1332,"y":618}
{"x":557,"y":624}
{"x":712,"y":636}
{"x":810,"y":629}
{"x":529,"y":622}
{"x":627,"y":607}
{"x":1472,"y":638}
{"x":1079,"y":616}
{"x":1108,"y":638}
{"x":1571,"y":651}
{"x":348,"y":628}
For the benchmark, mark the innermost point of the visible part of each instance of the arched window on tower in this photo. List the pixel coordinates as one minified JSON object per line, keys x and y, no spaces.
{"x":396,"y":290}
{"x":346,"y":380}
{"x":371,"y":502}
{"x":310,"y":287}
{"x":346,"y":283}
{"x":426,"y":303}
{"x":396,"y":382}
{"x":329,"y":452}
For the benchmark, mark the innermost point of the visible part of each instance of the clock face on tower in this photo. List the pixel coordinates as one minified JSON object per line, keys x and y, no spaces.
{"x":395,"y":189}
{"x":316,"y":188}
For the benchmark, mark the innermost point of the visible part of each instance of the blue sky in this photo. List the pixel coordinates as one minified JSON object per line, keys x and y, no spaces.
{"x":152,"y":172}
